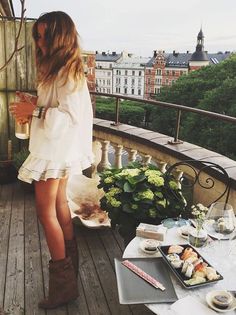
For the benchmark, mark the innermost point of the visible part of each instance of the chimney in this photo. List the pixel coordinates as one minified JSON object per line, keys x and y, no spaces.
{"x":103,"y":53}
{"x":154,"y":53}
{"x":187,"y":51}
{"x":113,"y":53}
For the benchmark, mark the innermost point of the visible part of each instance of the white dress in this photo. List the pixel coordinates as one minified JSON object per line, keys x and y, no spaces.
{"x":61,"y":143}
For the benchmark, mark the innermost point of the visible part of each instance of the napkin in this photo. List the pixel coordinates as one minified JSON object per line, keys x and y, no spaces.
{"x":189,"y":305}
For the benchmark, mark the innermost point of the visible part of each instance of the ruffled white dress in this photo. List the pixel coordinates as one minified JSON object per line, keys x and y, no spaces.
{"x":61,"y":143}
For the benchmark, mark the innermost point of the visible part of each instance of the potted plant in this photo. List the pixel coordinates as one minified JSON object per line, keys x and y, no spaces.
{"x":139,"y":193}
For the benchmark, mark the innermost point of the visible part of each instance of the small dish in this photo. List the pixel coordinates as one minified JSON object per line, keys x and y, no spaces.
{"x":184,"y":230}
{"x":210,"y":297}
{"x":149,"y":246}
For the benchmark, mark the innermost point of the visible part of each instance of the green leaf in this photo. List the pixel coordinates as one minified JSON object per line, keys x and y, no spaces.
{"x":136,"y":179}
{"x":128,"y":188}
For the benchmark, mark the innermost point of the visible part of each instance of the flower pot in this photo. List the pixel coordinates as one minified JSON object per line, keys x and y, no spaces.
{"x":197,"y":238}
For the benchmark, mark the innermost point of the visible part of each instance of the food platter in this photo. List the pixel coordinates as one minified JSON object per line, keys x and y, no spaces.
{"x":179,"y":271}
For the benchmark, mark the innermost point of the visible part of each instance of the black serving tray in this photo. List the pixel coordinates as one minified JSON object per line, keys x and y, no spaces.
{"x":164,"y":251}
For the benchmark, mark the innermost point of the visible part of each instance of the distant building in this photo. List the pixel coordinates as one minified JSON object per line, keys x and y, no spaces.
{"x":164,"y":69}
{"x":199,"y":58}
{"x":89,"y":69}
{"x":140,"y":77}
{"x":128,"y":75}
{"x":105,"y":63}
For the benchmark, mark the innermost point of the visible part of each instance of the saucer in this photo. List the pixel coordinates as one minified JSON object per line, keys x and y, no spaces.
{"x":209,"y":298}
{"x":182,"y":229}
{"x":151,"y":243}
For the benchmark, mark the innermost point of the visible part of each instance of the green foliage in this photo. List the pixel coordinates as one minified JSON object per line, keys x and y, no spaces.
{"x":211,"y":88}
{"x":138,"y":193}
{"x":130,"y":112}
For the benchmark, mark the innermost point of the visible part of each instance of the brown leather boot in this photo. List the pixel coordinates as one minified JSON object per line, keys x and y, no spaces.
{"x":63,"y":286}
{"x":72,"y":252}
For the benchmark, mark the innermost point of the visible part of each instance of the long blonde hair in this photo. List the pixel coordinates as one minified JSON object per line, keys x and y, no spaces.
{"x":63,"y":49}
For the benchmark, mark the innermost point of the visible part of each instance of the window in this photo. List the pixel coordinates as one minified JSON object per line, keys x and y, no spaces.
{"x":132,"y":91}
{"x":125,"y":90}
{"x":109,"y":74}
{"x":167,"y":72}
{"x":110,"y":65}
{"x":109,"y":91}
{"x":126,"y":81}
{"x":126,"y":72}
{"x":133,"y":81}
{"x":139,"y":92}
{"x":140,"y":73}
{"x":108,"y":82}
{"x":133,"y":72}
{"x":173,"y":73}
{"x":139,"y":81}
{"x":149,"y":81}
{"x":117,"y":72}
{"x":149,"y":71}
{"x":159,"y":72}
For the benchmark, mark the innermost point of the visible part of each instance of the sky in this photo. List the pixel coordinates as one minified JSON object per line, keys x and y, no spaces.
{"x":140,"y":27}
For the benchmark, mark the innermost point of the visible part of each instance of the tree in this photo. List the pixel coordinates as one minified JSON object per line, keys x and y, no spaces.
{"x":211,"y":88}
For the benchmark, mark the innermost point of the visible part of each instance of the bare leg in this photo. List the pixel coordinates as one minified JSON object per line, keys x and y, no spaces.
{"x":63,"y":211}
{"x":46,"y":193}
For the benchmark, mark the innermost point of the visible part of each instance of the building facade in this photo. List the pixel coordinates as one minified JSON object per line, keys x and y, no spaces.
{"x":105,"y":62}
{"x":129,"y":76}
{"x":140,"y":77}
{"x":89,"y":69}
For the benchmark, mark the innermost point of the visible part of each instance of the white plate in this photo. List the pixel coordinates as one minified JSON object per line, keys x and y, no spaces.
{"x":209,"y":297}
{"x":208,"y":227}
{"x":149,"y":242}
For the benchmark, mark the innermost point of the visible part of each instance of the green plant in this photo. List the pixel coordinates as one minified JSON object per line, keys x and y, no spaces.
{"x":20,"y":157}
{"x":138,"y":193}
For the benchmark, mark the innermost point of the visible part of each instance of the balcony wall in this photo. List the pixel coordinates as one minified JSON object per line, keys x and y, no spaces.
{"x":155,"y":146}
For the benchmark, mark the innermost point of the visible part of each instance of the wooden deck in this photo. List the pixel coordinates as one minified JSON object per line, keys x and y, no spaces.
{"x":24,"y":258}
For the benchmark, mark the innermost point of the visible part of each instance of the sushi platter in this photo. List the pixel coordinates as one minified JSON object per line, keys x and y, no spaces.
{"x":189,"y":266}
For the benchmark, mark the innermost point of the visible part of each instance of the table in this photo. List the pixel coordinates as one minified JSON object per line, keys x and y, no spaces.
{"x":217,"y":253}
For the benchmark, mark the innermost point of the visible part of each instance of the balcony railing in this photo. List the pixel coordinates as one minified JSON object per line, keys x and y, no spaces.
{"x":179,"y":109}
{"x":128,"y":142}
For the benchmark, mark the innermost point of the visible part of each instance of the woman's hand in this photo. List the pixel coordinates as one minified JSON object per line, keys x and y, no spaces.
{"x":22,"y":111}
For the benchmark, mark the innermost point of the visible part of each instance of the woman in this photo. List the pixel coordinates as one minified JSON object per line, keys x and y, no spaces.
{"x":60,"y":144}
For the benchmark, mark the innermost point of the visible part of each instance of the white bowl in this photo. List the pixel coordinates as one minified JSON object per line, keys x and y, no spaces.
{"x":149,"y":243}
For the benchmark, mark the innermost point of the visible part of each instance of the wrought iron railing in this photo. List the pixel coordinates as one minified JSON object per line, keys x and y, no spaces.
{"x":179,"y":109}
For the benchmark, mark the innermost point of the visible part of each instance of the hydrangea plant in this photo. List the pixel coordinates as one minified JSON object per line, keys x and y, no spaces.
{"x":139,"y":193}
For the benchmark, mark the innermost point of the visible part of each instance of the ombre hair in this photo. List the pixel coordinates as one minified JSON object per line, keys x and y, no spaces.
{"x":63,"y":49}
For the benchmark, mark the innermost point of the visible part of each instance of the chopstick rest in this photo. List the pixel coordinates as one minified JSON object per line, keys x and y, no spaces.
{"x":143,"y":275}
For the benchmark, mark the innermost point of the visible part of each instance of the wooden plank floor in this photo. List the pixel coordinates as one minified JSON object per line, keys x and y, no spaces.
{"x":24,"y":259}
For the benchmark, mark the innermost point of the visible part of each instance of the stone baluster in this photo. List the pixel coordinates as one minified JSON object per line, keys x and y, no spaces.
{"x":118,"y":155}
{"x":161,"y":165}
{"x":132,"y":154}
{"x":146,"y":159}
{"x":178,"y":175}
{"x":104,"y":163}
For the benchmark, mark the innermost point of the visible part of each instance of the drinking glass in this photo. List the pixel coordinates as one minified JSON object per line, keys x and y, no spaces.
{"x":22,"y":130}
{"x":220,"y":221}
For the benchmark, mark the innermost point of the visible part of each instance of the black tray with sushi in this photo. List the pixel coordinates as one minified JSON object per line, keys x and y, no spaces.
{"x":189,"y":266}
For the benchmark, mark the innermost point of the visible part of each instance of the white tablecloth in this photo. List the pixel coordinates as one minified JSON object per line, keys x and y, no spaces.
{"x":217,"y":254}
